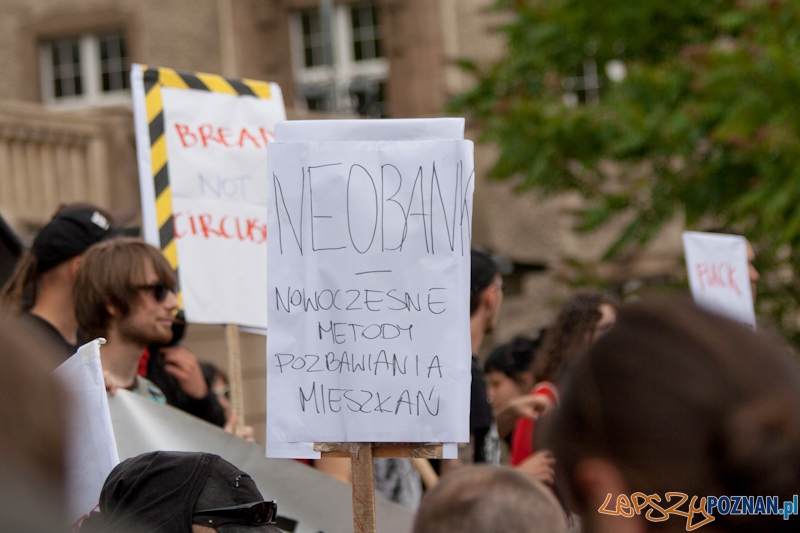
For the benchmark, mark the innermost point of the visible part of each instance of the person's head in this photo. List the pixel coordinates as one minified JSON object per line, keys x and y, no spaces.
{"x":56,"y":252}
{"x":676,"y":399}
{"x":181,"y":492}
{"x":584,"y":318}
{"x":486,"y":289}
{"x":126,"y":285}
{"x":507,"y":368}
{"x":486,"y":499}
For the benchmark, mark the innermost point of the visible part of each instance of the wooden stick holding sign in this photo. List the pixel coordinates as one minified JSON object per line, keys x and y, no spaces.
{"x":362,"y":475}
{"x":235,"y":374}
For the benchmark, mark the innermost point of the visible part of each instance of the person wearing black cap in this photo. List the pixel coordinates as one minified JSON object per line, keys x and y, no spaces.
{"x":181,"y":492}
{"x":486,"y":298}
{"x":41,"y":288}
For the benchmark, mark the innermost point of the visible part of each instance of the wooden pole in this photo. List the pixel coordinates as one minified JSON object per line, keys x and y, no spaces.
{"x":235,"y":374}
{"x":363,"y":481}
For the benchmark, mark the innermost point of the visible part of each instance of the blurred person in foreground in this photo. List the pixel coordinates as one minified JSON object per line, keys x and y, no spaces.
{"x":125,"y":292}
{"x":180,"y":492}
{"x":41,"y":287}
{"x":489,"y":499}
{"x":32,"y":415}
{"x":675,"y":399}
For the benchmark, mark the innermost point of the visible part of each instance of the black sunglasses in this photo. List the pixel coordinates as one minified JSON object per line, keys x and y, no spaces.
{"x":258,"y":513}
{"x":159,"y":290}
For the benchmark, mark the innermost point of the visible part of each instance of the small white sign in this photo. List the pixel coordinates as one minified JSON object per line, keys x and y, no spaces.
{"x":91,"y":445}
{"x":719,"y":274}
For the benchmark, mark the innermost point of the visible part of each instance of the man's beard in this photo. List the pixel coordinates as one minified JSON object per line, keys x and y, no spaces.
{"x":133,"y":334}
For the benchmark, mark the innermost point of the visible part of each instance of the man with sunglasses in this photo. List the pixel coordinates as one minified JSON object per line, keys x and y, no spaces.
{"x":124,"y":292}
{"x":179,"y":492}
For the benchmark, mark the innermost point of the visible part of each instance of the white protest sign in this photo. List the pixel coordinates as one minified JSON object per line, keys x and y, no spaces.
{"x":368,"y":287}
{"x":201,"y":143}
{"x":91,"y":445}
{"x":719,"y":274}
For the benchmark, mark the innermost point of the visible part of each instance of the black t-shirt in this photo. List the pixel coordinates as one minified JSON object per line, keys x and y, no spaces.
{"x":480,"y":413}
{"x":65,"y":349}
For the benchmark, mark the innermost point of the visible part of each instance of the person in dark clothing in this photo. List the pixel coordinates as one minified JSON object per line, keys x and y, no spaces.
{"x":180,"y":492}
{"x":179,"y":375}
{"x":486,"y":298}
{"x":41,"y":287}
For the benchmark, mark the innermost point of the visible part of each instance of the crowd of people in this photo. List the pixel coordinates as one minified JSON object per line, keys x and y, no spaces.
{"x":596,"y":423}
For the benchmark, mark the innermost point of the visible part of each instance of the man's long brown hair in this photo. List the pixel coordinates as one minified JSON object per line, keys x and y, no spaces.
{"x":111,"y":274}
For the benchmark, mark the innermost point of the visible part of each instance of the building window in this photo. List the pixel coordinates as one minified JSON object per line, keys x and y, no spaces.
{"x":67,"y":80}
{"x":114,"y":67}
{"x":366,"y":33}
{"x":313,"y":45}
{"x":85,"y":70}
{"x":356,"y":82}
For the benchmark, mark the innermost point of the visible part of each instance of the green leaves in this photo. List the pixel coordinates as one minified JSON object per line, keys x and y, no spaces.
{"x":706,"y":123}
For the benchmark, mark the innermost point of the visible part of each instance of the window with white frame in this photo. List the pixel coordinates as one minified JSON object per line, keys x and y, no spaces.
{"x":89,"y":69}
{"x":356,"y":82}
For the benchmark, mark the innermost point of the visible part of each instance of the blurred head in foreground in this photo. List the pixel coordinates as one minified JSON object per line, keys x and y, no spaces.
{"x":180,"y":492}
{"x":675,"y":399}
{"x":32,"y":416}
{"x":487,"y":499}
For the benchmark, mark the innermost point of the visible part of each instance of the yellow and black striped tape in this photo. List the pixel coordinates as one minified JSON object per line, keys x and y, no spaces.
{"x":154,"y":79}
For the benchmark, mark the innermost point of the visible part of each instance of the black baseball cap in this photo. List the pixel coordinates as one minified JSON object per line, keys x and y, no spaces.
{"x":484,"y":267}
{"x":70,"y":233}
{"x":230,"y":502}
{"x":166,"y":492}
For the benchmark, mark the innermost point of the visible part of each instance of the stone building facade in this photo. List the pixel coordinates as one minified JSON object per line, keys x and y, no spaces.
{"x":66,"y":130}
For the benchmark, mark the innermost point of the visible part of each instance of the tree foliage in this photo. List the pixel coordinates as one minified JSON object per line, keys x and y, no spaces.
{"x":706,"y":123}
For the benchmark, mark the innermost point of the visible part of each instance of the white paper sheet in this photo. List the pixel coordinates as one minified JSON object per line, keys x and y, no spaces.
{"x":387,"y":225}
{"x":719,"y":274}
{"x":91,"y":445}
{"x":216,"y":147}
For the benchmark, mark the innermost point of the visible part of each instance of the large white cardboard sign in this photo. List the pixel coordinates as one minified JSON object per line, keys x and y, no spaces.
{"x":91,"y":445}
{"x":719,"y":274}
{"x":368,"y":291}
{"x":211,"y":141}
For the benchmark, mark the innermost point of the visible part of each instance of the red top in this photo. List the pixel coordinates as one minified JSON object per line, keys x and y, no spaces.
{"x":142,"y":371}
{"x":522,"y":437}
